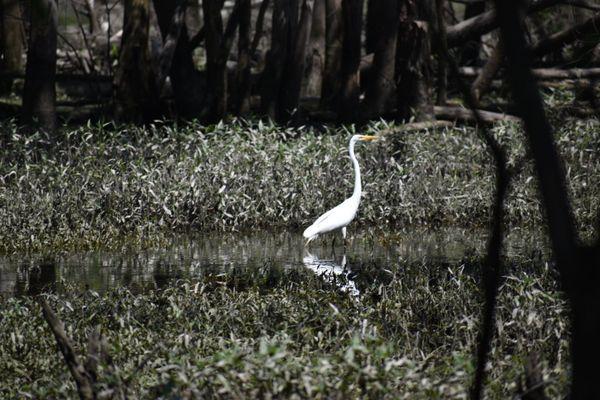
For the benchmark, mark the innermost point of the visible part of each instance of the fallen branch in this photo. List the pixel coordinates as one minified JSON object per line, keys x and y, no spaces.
{"x":545,"y":73}
{"x":464,"y":114}
{"x":473,"y":28}
{"x":582,"y":4}
{"x":566,"y":36}
{"x":62,"y":77}
{"x":417,"y":126}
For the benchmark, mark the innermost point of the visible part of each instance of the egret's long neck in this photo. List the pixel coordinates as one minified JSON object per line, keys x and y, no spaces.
{"x":357,"y":183}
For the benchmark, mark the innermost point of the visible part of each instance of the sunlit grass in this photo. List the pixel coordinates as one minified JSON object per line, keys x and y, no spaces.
{"x":100,"y":186}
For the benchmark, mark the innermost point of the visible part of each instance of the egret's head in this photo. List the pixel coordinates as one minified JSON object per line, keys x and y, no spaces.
{"x":363,"y":138}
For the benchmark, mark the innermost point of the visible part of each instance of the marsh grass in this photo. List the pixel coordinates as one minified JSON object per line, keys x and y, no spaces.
{"x":101,"y":185}
{"x":283,"y":332}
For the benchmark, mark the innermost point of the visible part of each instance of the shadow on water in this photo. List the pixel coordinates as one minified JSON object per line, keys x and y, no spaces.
{"x":371,"y":258}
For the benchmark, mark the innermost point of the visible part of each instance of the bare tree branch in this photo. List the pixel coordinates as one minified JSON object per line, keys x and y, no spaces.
{"x":78,"y":371}
{"x":566,"y":36}
{"x":473,"y":28}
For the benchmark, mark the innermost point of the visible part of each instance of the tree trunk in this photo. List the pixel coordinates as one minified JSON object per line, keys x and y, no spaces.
{"x":295,"y":62}
{"x":216,"y":71}
{"x":333,"y":53}
{"x":315,"y":58}
{"x":381,"y":84}
{"x":489,"y":70}
{"x":93,"y":17}
{"x":470,"y":50}
{"x":374,"y":29}
{"x":578,"y":266}
{"x":11,"y":41}
{"x":39,"y":93}
{"x":350,"y":72}
{"x":413,"y":75}
{"x":283,"y":20}
{"x":186,"y":82}
{"x":442,"y":50}
{"x":135,"y":81}
{"x":259,"y":29}
{"x":242,"y":100}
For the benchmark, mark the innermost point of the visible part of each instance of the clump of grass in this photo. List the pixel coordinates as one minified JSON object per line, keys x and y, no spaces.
{"x":281,"y":332}
{"x":100,"y":185}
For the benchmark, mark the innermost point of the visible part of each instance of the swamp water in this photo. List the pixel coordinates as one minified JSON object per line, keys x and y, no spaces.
{"x":368,"y":254}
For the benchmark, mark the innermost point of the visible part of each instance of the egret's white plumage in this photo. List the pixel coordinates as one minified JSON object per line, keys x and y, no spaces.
{"x":341,"y":215}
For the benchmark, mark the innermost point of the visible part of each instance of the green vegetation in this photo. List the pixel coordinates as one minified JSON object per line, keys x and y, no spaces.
{"x":104,"y":186}
{"x":278,"y":332}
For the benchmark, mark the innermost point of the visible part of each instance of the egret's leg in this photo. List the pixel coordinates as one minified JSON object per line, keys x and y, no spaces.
{"x":344,"y":235}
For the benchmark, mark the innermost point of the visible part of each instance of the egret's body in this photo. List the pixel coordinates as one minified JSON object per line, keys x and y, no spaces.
{"x":341,"y":215}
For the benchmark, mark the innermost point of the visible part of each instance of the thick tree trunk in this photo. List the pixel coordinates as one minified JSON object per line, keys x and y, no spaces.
{"x":374,"y":28}
{"x":578,"y":266}
{"x":216,"y":71}
{"x":442,"y":50}
{"x":281,"y":36}
{"x":295,"y":62}
{"x":136,"y":89}
{"x":413,"y":73}
{"x":11,"y":41}
{"x":242,"y":92}
{"x":187,"y":84}
{"x":350,"y":72}
{"x":381,"y":83}
{"x":315,"y":57}
{"x":39,"y":93}
{"x":333,"y":53}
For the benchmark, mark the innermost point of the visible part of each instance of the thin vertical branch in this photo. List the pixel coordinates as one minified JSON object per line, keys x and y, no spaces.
{"x":492,"y":267}
{"x":489,"y":70}
{"x":242,"y":100}
{"x":442,"y":46}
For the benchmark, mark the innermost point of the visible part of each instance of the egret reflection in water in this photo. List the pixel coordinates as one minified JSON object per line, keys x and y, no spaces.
{"x":332,"y":271}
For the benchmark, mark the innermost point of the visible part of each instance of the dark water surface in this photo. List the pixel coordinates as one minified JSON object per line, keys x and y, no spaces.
{"x":189,"y":257}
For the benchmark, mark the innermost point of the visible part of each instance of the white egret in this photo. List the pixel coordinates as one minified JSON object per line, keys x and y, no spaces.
{"x":341,"y":215}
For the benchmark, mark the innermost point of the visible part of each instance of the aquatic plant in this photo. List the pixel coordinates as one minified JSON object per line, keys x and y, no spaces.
{"x":101,"y":185}
{"x":284,"y":332}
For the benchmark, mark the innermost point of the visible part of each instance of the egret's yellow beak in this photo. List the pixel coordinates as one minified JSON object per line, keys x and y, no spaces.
{"x":368,"y":138}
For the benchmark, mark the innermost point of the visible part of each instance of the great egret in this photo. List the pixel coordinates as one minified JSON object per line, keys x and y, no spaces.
{"x":341,"y":215}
